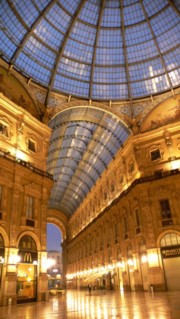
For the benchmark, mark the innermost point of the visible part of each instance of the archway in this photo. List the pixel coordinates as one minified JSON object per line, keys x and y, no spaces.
{"x":27,"y":270}
{"x":170,"y":251}
{"x":54,"y":254}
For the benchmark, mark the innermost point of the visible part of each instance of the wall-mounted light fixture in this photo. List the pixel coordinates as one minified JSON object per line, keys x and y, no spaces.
{"x":14,"y":259}
{"x":1,"y":260}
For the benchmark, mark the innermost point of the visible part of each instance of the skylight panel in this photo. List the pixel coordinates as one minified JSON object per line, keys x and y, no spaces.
{"x":70,"y":5}
{"x":109,"y":74}
{"x":133,"y":14}
{"x":164,"y":21}
{"x":49,"y":35}
{"x":27,"y":11}
{"x":109,"y":56}
{"x":90,"y":12}
{"x":111,"y":18}
{"x":33,"y":69}
{"x":74,"y":69}
{"x":146,"y":70}
{"x":137,"y":34}
{"x":78,"y":51}
{"x":59,"y":18}
{"x":84,"y":33}
{"x":152,"y":7}
{"x":11,"y":25}
{"x":107,"y":91}
{"x":110,"y":38}
{"x":7,"y":46}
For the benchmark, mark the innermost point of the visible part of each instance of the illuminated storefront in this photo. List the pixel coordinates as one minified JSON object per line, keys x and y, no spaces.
{"x":27,"y":270}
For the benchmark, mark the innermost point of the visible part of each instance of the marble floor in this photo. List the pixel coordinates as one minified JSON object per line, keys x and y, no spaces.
{"x":99,"y":305}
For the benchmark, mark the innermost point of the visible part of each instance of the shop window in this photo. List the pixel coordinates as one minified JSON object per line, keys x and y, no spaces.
{"x":27,"y":270}
{"x":155,"y":155}
{"x":170,"y":239}
{"x":165,"y":212}
{"x":32,"y":145}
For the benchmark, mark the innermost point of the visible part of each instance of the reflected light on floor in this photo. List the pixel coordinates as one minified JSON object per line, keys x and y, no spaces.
{"x":79,"y":304}
{"x":55,"y":305}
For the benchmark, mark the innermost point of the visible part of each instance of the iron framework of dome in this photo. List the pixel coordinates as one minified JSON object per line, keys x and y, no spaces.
{"x":83,"y":143}
{"x":99,"y":50}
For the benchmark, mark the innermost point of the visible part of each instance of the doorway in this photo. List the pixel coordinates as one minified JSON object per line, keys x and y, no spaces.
{"x":26,"y":282}
{"x":27,"y":270}
{"x":170,"y":252}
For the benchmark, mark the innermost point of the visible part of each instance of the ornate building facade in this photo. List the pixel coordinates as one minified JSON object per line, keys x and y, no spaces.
{"x":89,"y":141}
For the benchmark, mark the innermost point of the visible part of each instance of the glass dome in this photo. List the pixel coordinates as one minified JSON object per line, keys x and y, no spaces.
{"x":92,"y":49}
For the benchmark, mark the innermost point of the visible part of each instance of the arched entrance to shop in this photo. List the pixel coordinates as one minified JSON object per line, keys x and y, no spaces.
{"x":27,"y":270}
{"x":170,"y":252}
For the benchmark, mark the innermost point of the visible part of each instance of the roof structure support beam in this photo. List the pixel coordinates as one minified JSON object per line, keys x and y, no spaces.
{"x":95,"y":47}
{"x":156,"y":44}
{"x":125,"y":55}
{"x":31,"y":30}
{"x":61,"y":49}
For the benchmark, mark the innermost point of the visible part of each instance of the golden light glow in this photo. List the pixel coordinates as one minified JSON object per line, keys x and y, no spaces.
{"x":50,"y":262}
{"x":1,"y":260}
{"x":130,"y":262}
{"x":20,"y":155}
{"x":144,"y":259}
{"x":175,"y":164}
{"x":153,"y":259}
{"x":14,"y":259}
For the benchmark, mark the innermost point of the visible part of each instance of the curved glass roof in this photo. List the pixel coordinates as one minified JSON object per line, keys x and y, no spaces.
{"x":95,"y":49}
{"x":83,"y":143}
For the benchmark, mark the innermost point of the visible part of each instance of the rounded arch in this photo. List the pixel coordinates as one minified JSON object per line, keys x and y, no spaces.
{"x":155,"y":118}
{"x":19,"y":90}
{"x":58,"y":219}
{"x":59,"y":224}
{"x":5,"y":237}
{"x":31,"y":234}
{"x":164,"y":233}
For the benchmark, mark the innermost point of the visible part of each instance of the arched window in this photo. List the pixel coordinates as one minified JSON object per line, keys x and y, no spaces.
{"x":170,"y":239}
{"x":27,"y":250}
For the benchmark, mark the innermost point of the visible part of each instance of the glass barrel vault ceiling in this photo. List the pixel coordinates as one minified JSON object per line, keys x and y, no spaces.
{"x":83,"y":143}
{"x":100,"y":50}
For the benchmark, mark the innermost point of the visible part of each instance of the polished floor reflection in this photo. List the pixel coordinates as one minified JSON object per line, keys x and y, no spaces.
{"x":99,"y":305}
